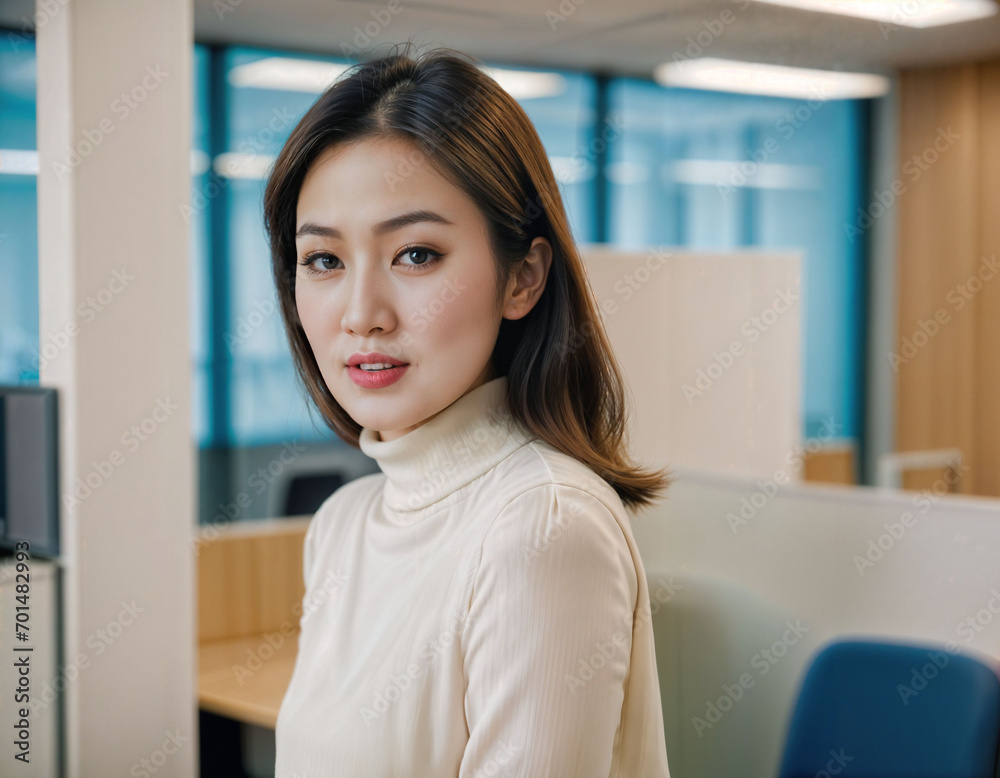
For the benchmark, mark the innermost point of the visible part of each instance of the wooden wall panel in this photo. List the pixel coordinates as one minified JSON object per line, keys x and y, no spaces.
{"x":938,"y":248}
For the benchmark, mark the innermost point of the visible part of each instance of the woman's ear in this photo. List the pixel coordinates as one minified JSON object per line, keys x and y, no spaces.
{"x":528,"y":282}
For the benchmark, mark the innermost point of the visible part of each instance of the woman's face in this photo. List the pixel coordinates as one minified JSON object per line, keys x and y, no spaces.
{"x":399,"y":263}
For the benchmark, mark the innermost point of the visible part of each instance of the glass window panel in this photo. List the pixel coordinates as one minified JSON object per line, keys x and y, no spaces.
{"x":19,"y":335}
{"x":713,"y":170}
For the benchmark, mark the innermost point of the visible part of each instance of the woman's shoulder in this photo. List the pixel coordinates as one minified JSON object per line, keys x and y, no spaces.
{"x":557,"y":514}
{"x":548,"y":493}
{"x":539,"y":464}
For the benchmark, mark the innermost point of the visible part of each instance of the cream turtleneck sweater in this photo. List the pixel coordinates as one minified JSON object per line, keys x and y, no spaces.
{"x":478,"y":608}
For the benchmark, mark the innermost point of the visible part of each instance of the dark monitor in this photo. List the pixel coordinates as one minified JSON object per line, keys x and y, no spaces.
{"x":307,"y":491}
{"x":29,"y":458}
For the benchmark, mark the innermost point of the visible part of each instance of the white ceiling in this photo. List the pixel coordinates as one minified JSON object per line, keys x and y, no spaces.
{"x":618,"y":36}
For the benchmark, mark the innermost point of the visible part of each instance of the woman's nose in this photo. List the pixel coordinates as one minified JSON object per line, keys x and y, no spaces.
{"x":368,"y":305}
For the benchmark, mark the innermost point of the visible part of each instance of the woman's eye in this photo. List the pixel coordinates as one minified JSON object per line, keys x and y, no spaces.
{"x":429,"y":255}
{"x":310,"y":262}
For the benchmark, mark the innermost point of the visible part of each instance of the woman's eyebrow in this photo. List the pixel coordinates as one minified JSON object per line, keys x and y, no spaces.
{"x":382,"y":228}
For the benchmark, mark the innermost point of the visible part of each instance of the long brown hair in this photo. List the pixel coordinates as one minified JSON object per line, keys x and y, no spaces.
{"x":564,"y":383}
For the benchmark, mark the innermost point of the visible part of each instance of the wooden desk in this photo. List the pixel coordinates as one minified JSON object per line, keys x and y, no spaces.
{"x":249,"y":587}
{"x":221,"y":666}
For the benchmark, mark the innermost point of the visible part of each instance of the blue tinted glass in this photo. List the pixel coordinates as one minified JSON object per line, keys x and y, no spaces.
{"x":197,"y":217}
{"x":713,"y":170}
{"x":19,"y":337}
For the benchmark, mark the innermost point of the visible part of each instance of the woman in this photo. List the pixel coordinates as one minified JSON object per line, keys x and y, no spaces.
{"x":479,"y":607}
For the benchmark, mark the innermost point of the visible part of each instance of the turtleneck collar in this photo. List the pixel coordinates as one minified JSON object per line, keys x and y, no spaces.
{"x":463,"y":442}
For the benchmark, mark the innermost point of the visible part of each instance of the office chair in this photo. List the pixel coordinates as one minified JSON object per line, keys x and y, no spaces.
{"x":893,"y":710}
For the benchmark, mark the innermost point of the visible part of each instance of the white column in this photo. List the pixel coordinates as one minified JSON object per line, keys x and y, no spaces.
{"x":114,"y":132}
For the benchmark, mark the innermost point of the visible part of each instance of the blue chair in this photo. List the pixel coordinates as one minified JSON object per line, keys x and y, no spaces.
{"x":890,"y":710}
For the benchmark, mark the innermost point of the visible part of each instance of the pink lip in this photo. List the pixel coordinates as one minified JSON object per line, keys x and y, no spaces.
{"x":378,"y":379}
{"x":372,"y":357}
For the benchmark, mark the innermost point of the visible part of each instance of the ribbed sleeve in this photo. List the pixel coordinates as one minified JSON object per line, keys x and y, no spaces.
{"x":548,"y":638}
